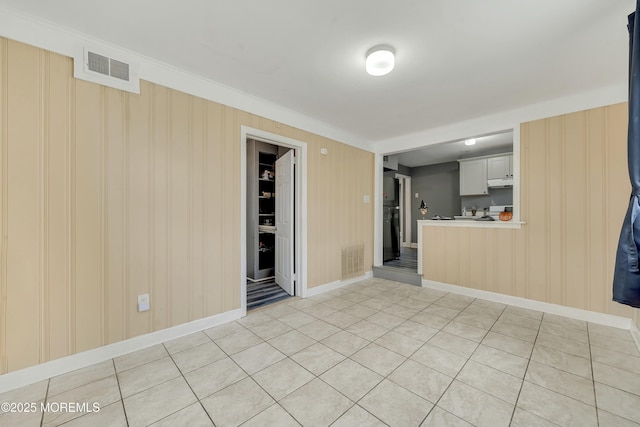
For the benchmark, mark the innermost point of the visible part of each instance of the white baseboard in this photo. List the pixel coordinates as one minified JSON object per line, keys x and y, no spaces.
{"x":561,"y":310}
{"x":635,"y":333}
{"x":43,"y":371}
{"x":317,"y":290}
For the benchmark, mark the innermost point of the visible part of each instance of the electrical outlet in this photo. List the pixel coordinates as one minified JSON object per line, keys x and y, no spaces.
{"x":366,"y":199}
{"x":417,"y":195}
{"x":143,"y":302}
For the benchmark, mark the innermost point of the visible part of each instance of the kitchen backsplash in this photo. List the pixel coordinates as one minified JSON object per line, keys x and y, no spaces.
{"x":496,"y":196}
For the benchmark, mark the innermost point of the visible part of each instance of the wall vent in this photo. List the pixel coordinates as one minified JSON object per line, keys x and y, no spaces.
{"x":352,"y":261}
{"x":100,"y":67}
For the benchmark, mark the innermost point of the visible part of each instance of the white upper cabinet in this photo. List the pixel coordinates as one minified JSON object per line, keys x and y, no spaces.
{"x":473,"y":177}
{"x":500,"y":167}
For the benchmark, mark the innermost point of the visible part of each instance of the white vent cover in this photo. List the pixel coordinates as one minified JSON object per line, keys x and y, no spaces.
{"x":102,"y":68}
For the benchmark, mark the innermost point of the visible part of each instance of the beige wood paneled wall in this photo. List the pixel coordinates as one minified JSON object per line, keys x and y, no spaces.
{"x":574,"y":194}
{"x":107,"y":195}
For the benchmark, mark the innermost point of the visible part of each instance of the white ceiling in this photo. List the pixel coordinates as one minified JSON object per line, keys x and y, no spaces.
{"x":456,"y":60}
{"x":453,"y":150}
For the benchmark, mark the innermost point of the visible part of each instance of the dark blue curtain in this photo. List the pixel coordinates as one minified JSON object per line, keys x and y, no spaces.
{"x":626,"y":278}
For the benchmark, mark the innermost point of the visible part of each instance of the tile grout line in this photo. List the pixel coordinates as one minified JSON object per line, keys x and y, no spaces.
{"x":46,"y":397}
{"x":533,"y":347}
{"x":593,"y":377}
{"x":124,"y":409}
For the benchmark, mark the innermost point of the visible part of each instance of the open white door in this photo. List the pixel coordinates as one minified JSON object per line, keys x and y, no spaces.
{"x":284,"y":222}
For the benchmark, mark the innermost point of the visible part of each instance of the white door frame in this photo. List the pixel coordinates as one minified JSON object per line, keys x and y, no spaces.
{"x":300,"y":227}
{"x":405,"y":209}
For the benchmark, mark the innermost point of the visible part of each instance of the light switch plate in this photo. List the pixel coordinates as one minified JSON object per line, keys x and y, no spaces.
{"x":366,"y":198}
{"x":143,"y":302}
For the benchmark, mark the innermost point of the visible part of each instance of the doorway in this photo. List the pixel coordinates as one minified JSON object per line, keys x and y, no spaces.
{"x":273,"y":218}
{"x":270,"y":222}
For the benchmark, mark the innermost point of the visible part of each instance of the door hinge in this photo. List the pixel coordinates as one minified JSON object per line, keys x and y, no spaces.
{"x":294,"y":277}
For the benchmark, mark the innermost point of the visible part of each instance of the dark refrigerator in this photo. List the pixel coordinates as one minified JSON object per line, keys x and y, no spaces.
{"x":391,"y":233}
{"x":390,"y":217}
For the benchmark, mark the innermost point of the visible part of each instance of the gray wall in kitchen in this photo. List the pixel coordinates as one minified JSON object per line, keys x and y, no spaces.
{"x":404,"y":170}
{"x":496,"y":196}
{"x":439,"y":187}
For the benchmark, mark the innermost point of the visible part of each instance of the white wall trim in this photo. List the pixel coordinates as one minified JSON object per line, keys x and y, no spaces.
{"x":317,"y":290}
{"x":419,"y":247}
{"x":27,"y":29}
{"x":46,"y":370}
{"x":635,"y":333}
{"x":561,"y":310}
{"x":377,"y":211}
{"x":300,"y":207}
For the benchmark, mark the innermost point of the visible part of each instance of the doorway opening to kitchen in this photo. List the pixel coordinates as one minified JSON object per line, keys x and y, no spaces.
{"x":398,"y":250}
{"x":399,"y":255}
{"x":272,"y":219}
{"x":457,"y":181}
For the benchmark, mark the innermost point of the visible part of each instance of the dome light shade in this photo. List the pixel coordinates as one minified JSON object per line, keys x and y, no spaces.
{"x":380,"y":60}
{"x":471,"y":141}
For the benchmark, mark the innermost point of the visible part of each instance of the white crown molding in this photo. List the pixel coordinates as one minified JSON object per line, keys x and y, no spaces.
{"x":505,"y":120}
{"x":46,"y":370}
{"x":45,"y":35}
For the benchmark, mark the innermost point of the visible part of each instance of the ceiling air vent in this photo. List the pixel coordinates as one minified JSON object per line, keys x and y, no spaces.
{"x":104,"y":69}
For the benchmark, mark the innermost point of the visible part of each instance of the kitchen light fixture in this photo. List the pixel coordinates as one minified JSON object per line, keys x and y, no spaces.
{"x":380,"y":60}
{"x":471,"y":141}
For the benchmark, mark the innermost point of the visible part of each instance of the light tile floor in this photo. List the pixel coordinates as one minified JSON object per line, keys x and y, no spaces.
{"x":373,"y":353}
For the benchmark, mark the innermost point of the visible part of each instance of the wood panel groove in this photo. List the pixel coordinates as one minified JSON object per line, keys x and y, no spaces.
{"x":151,"y":226}
{"x":3,"y":200}
{"x":189,"y":141}
{"x":43,"y":200}
{"x":125,"y":219}
{"x":71,"y":215}
{"x":104,"y":235}
{"x":106,"y":241}
{"x":169,"y":204}
{"x":205,"y":209}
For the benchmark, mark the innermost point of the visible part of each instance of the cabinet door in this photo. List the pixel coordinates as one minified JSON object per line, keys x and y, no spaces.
{"x":473,"y":177}
{"x":511,"y":166}
{"x":498,"y":167}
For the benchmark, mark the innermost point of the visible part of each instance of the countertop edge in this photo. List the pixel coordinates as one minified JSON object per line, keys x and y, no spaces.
{"x":471,"y":224}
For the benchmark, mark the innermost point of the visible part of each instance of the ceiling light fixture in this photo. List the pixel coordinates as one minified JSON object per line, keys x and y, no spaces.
{"x":471,"y":141}
{"x":380,"y":60}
